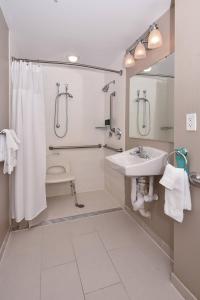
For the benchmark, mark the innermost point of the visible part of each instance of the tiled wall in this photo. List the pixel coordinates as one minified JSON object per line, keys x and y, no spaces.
{"x":85,"y":111}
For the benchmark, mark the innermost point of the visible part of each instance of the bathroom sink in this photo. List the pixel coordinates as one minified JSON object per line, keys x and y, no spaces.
{"x":130,"y":163}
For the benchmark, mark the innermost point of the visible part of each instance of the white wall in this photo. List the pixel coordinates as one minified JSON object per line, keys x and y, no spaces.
{"x":114,"y":182}
{"x":86,"y":110}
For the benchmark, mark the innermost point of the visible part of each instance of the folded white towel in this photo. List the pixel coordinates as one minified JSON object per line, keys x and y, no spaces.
{"x":177,"y":192}
{"x":9,"y":153}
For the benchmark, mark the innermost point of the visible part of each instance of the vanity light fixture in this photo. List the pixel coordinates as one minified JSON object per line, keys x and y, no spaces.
{"x":155,"y":37}
{"x":151,"y":39}
{"x":129,"y":60}
{"x":140,"y":51}
{"x":73,"y":58}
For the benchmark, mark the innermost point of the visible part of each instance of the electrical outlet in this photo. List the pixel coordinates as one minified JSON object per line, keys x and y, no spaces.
{"x":191,"y":122}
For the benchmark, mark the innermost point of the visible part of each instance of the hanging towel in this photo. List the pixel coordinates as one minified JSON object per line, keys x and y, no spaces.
{"x":177,"y":192}
{"x":10,"y":150}
{"x":2,"y":147}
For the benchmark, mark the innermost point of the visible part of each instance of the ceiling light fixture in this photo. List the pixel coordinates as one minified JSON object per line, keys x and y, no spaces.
{"x":129,"y":60}
{"x":72,"y":58}
{"x":155,"y":37}
{"x":151,"y":39}
{"x":140,"y":51}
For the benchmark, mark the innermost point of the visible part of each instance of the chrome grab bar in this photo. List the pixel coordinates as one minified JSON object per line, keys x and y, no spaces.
{"x":113,"y":149}
{"x":85,"y":147}
{"x":74,"y":147}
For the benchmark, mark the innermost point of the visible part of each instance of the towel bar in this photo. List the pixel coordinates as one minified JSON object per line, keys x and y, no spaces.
{"x":176,"y":152}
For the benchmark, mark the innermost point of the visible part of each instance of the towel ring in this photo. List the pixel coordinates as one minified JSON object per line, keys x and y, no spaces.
{"x":176,"y":152}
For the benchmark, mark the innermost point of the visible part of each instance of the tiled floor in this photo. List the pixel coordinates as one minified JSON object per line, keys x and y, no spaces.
{"x":105,"y":257}
{"x":63,"y":206}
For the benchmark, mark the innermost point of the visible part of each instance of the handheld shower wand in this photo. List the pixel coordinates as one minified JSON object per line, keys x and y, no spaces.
{"x":57,"y":109}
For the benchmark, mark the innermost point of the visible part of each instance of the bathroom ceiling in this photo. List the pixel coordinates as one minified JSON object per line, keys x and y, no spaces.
{"x":98,"y":31}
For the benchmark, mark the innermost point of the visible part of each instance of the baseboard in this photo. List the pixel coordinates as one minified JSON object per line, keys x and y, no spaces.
{"x":3,"y":246}
{"x":160,"y":243}
{"x":183,"y":290}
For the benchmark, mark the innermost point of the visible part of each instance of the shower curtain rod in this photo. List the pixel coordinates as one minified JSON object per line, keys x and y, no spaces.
{"x":41,"y":61}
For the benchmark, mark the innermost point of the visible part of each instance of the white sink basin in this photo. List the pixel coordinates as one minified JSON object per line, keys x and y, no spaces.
{"x":130,"y":163}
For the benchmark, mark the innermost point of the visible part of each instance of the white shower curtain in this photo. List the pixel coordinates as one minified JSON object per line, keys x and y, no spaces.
{"x":28,"y":120}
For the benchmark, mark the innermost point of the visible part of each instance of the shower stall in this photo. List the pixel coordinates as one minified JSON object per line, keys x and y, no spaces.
{"x":75,"y":104}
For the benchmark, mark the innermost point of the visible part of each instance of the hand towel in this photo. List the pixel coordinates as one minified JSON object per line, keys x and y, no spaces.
{"x":2,"y":147}
{"x":177,"y":192}
{"x":11,"y":147}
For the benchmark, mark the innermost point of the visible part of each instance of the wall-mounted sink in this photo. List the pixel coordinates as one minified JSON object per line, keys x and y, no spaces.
{"x":141,"y":161}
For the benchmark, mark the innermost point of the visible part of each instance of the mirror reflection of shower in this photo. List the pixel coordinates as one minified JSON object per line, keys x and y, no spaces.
{"x":57,"y":119}
{"x":143,"y":114}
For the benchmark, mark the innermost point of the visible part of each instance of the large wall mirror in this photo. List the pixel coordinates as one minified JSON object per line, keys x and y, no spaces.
{"x":151,"y":102}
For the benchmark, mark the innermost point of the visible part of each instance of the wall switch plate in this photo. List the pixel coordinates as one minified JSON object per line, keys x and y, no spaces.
{"x":191,"y":122}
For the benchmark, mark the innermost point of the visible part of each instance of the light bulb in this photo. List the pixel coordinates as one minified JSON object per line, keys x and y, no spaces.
{"x":129,"y":60}
{"x":140,"y":51}
{"x":155,"y":38}
{"x":147,"y":70}
{"x":73,"y":58}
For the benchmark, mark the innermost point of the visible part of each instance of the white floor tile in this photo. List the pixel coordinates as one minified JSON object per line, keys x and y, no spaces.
{"x":96,"y":269}
{"x":81,"y":226}
{"x":114,"y":292}
{"x":143,"y":277}
{"x":57,"y":247}
{"x":139,"y":288}
{"x":133,"y":268}
{"x":117,"y":230}
{"x":61,"y":283}
{"x":20,"y":267}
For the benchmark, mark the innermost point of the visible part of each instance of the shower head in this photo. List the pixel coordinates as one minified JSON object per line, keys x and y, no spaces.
{"x":106,"y":87}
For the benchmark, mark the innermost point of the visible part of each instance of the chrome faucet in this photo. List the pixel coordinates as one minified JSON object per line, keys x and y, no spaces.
{"x":140,"y":152}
